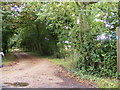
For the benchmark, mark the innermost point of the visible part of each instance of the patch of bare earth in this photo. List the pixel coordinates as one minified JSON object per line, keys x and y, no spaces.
{"x":38,"y":73}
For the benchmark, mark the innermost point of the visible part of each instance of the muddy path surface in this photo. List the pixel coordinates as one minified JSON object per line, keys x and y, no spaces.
{"x":36,"y":73}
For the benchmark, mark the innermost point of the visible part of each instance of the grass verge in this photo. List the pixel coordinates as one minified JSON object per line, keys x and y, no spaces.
{"x":100,"y":82}
{"x":8,"y":59}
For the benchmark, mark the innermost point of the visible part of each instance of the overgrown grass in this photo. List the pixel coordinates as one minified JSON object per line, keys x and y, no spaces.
{"x":100,"y":82}
{"x":63,"y":62}
{"x":7,"y":59}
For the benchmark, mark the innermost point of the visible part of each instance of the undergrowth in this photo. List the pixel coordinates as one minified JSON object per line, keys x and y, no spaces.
{"x":100,"y":82}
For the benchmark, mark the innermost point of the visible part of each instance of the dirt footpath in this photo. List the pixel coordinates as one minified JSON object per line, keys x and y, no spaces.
{"x":38,"y":73}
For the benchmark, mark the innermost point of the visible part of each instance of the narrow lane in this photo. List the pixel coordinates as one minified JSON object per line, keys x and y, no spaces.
{"x":38,"y":73}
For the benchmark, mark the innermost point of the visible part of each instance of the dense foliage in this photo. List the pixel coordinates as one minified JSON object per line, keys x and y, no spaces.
{"x":85,"y":31}
{"x":8,"y":26}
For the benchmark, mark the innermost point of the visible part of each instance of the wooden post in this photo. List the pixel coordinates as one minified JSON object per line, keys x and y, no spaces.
{"x":118,"y":50}
{"x":118,"y":42}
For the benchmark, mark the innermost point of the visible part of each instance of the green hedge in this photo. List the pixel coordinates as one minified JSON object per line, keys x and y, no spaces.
{"x":97,"y":57}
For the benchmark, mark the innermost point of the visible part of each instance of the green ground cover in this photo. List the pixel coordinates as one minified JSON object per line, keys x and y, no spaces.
{"x":100,"y":82}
